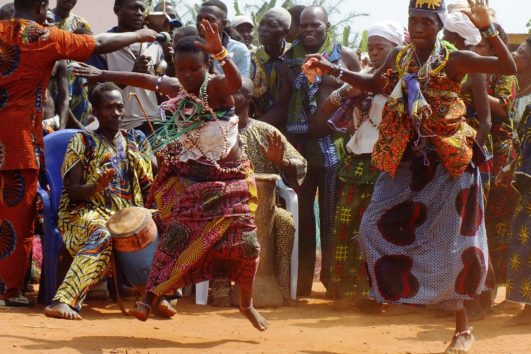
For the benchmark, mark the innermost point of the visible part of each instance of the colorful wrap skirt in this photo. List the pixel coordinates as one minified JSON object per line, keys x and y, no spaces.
{"x":207,"y":225}
{"x":423,"y":235}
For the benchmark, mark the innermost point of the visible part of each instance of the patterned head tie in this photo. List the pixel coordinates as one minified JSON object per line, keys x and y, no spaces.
{"x":435,"y":6}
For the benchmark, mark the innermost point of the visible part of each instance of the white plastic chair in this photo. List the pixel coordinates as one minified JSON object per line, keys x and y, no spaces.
{"x":292,"y":205}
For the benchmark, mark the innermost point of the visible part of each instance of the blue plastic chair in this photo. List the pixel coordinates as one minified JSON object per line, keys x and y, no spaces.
{"x":55,"y":145}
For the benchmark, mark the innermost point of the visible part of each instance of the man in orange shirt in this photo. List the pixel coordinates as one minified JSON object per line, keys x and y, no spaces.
{"x":28,"y":52}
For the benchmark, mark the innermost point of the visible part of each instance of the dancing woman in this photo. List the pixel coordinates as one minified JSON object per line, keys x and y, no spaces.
{"x":205,"y":189}
{"x":423,"y":234}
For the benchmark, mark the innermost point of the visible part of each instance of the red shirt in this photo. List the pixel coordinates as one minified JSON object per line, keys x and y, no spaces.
{"x":28,"y":53}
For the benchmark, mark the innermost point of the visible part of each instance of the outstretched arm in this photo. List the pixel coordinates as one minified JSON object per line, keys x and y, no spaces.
{"x":374,"y":83}
{"x":166,"y":85}
{"x":111,"y":42}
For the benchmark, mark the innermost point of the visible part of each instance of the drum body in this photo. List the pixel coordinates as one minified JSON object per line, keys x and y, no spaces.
{"x":134,"y":239}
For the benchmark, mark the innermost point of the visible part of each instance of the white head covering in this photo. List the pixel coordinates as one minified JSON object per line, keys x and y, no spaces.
{"x":390,"y":30}
{"x":283,"y":15}
{"x":459,"y":23}
{"x":241,"y":19}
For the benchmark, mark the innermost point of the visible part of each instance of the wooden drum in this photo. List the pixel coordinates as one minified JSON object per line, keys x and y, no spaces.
{"x":134,"y":239}
{"x":266,"y":290}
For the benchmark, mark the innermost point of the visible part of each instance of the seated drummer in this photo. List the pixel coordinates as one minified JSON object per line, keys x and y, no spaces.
{"x":271,"y":153}
{"x":103,"y":172}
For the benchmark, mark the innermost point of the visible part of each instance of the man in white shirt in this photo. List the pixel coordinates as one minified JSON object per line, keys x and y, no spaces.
{"x":145,"y":58}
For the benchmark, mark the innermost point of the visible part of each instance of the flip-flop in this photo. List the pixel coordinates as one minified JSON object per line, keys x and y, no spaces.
{"x":17,"y":301}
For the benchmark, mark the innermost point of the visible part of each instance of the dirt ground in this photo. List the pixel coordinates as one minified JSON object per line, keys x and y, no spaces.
{"x":312,"y":327}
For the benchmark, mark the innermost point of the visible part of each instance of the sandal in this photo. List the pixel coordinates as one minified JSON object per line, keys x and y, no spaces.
{"x":459,"y":343}
{"x":18,"y":300}
{"x":141,"y":311}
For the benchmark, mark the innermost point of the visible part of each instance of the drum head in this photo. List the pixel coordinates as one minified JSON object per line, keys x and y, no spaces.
{"x":128,"y":221}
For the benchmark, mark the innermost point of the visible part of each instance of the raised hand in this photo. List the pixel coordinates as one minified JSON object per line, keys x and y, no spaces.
{"x":87,"y":71}
{"x":146,"y":35}
{"x":479,"y":13}
{"x":274,"y":151}
{"x":210,"y":33}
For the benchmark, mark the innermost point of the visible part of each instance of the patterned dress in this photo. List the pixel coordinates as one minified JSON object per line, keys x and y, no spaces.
{"x":519,"y":260}
{"x":77,"y":86}
{"x":356,"y":178}
{"x":501,"y":200}
{"x":83,"y":224}
{"x":208,"y":230}
{"x":28,"y":52}
{"x":423,"y":233}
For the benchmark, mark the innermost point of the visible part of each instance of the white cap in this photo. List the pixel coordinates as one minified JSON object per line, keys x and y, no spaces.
{"x":241,"y":19}
{"x":391,"y":30}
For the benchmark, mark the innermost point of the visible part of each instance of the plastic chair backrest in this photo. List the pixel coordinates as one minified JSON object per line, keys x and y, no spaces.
{"x":55,"y":145}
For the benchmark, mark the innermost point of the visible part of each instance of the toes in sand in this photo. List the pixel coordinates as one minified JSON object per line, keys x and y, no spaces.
{"x":257,"y":320}
{"x":62,"y":311}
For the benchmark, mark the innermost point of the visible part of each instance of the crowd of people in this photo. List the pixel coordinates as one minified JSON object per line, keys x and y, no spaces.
{"x":411,"y":162}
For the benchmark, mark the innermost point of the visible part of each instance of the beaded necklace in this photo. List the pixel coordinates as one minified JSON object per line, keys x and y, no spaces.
{"x":433,"y":65}
{"x":190,"y":113}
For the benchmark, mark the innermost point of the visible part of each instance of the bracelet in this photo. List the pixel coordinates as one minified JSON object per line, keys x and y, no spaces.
{"x":489,"y":32}
{"x":159,"y":81}
{"x":336,"y":98}
{"x":221,"y":55}
{"x":224,"y":61}
{"x":339,"y":70}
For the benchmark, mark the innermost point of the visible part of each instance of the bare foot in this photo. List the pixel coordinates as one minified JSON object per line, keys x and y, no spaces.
{"x":141,"y":311}
{"x":61,"y":310}
{"x":259,"y":322}
{"x":522,"y":319}
{"x":461,"y":343}
{"x":165,"y":309}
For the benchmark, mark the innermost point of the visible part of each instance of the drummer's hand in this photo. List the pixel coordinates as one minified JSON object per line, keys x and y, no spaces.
{"x":104,"y":180}
{"x":274,"y":151}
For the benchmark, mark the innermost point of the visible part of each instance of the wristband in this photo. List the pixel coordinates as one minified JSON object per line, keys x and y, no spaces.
{"x":224,"y":61}
{"x":339,"y":70}
{"x":221,"y":55}
{"x":489,"y":32}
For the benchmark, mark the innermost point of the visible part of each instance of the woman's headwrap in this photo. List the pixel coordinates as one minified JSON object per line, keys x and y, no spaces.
{"x":391,"y":30}
{"x":459,"y":23}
